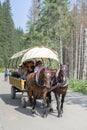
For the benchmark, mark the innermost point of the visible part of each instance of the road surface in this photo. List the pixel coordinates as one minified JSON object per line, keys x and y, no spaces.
{"x":14,"y":117}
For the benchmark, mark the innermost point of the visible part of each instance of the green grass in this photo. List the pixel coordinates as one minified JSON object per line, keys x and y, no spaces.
{"x":78,"y":86}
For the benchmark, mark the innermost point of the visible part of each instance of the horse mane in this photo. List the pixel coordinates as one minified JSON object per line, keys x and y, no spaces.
{"x":42,"y":76}
{"x":41,"y":73}
{"x":58,"y":73}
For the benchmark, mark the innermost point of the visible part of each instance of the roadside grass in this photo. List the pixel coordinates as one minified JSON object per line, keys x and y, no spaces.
{"x":78,"y":86}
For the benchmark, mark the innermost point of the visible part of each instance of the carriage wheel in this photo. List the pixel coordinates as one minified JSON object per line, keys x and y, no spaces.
{"x":23,"y":102}
{"x":13,"y":92}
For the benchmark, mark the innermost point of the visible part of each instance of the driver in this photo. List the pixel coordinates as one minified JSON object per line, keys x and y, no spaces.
{"x":38,"y":66}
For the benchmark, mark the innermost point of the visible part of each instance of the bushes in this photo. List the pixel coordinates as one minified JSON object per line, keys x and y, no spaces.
{"x":2,"y":70}
{"x":78,"y":86}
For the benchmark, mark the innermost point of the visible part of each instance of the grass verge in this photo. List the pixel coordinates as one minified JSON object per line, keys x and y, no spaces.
{"x":78,"y":86}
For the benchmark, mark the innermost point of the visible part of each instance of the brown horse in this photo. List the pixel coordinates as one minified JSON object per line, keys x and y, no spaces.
{"x":59,"y":87}
{"x":38,"y":85}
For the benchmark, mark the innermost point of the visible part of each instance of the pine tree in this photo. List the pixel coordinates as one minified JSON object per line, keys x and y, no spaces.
{"x":10,"y":38}
{"x":51,"y":27}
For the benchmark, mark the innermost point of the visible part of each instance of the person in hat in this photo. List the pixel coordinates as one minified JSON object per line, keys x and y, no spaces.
{"x":26,"y":68}
{"x":30,"y":67}
{"x":38,"y":66}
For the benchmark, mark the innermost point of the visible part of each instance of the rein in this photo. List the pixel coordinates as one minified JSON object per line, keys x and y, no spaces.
{"x":59,"y":85}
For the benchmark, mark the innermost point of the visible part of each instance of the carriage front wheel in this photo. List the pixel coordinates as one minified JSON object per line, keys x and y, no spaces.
{"x":23,"y":102}
{"x":13,"y":92}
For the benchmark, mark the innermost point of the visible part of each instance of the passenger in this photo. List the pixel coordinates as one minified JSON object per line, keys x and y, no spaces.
{"x":38,"y":66}
{"x":26,"y":68}
{"x":30,"y":67}
{"x":23,"y":71}
{"x":20,"y":69}
{"x":15,"y":73}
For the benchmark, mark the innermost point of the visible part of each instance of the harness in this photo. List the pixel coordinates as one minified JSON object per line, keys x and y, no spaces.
{"x":57,"y":82}
{"x":37,"y":81}
{"x":40,"y":82}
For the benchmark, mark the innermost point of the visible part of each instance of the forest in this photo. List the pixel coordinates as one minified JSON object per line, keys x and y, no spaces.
{"x":59,"y":24}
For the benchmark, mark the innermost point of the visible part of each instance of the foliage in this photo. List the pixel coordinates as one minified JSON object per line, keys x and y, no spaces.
{"x":52,"y":23}
{"x":10,"y":38}
{"x":78,"y":86}
{"x":2,"y":70}
{"x":48,"y":22}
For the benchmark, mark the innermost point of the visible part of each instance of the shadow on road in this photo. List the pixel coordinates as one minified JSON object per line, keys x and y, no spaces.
{"x":76,"y":98}
{"x":71,"y":99}
{"x":18,"y":107}
{"x":7,"y":99}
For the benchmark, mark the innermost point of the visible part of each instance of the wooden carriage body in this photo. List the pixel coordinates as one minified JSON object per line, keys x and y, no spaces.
{"x":17,"y":83}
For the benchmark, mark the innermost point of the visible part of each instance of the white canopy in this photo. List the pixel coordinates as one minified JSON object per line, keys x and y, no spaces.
{"x":18,"y":54}
{"x":40,"y":52}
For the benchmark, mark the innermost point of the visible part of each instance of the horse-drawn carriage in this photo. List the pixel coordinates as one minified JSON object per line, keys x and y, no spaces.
{"x":41,"y":83}
{"x":36,"y":53}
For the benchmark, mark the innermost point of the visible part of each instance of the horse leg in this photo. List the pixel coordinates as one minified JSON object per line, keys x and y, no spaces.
{"x":49,"y":104}
{"x":30,"y":96}
{"x":58,"y":105}
{"x":62,"y":101}
{"x":44,"y":107}
{"x":34,"y":104}
{"x":48,"y":100}
{"x":31,"y":101}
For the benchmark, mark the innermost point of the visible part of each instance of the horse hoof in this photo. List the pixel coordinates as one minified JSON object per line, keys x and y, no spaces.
{"x":44,"y":116}
{"x":62,"y":111}
{"x":51,"y":110}
{"x":33,"y":111}
{"x":59,"y":115}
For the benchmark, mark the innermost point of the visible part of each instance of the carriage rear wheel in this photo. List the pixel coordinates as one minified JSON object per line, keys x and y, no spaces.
{"x":13,"y":92}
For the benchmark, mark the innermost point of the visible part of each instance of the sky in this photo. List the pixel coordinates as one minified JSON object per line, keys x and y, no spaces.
{"x":20,"y":10}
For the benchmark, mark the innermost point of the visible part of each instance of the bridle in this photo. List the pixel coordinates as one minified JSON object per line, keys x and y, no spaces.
{"x":41,"y":79}
{"x":61,"y":79}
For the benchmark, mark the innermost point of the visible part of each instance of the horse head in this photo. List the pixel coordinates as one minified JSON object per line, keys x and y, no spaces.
{"x":45,"y":77}
{"x":62,"y":73}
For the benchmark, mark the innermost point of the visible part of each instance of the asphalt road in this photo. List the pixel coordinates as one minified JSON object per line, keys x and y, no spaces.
{"x":14,"y":117}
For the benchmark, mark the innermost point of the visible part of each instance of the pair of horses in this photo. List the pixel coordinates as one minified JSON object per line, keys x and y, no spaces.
{"x":41,"y":84}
